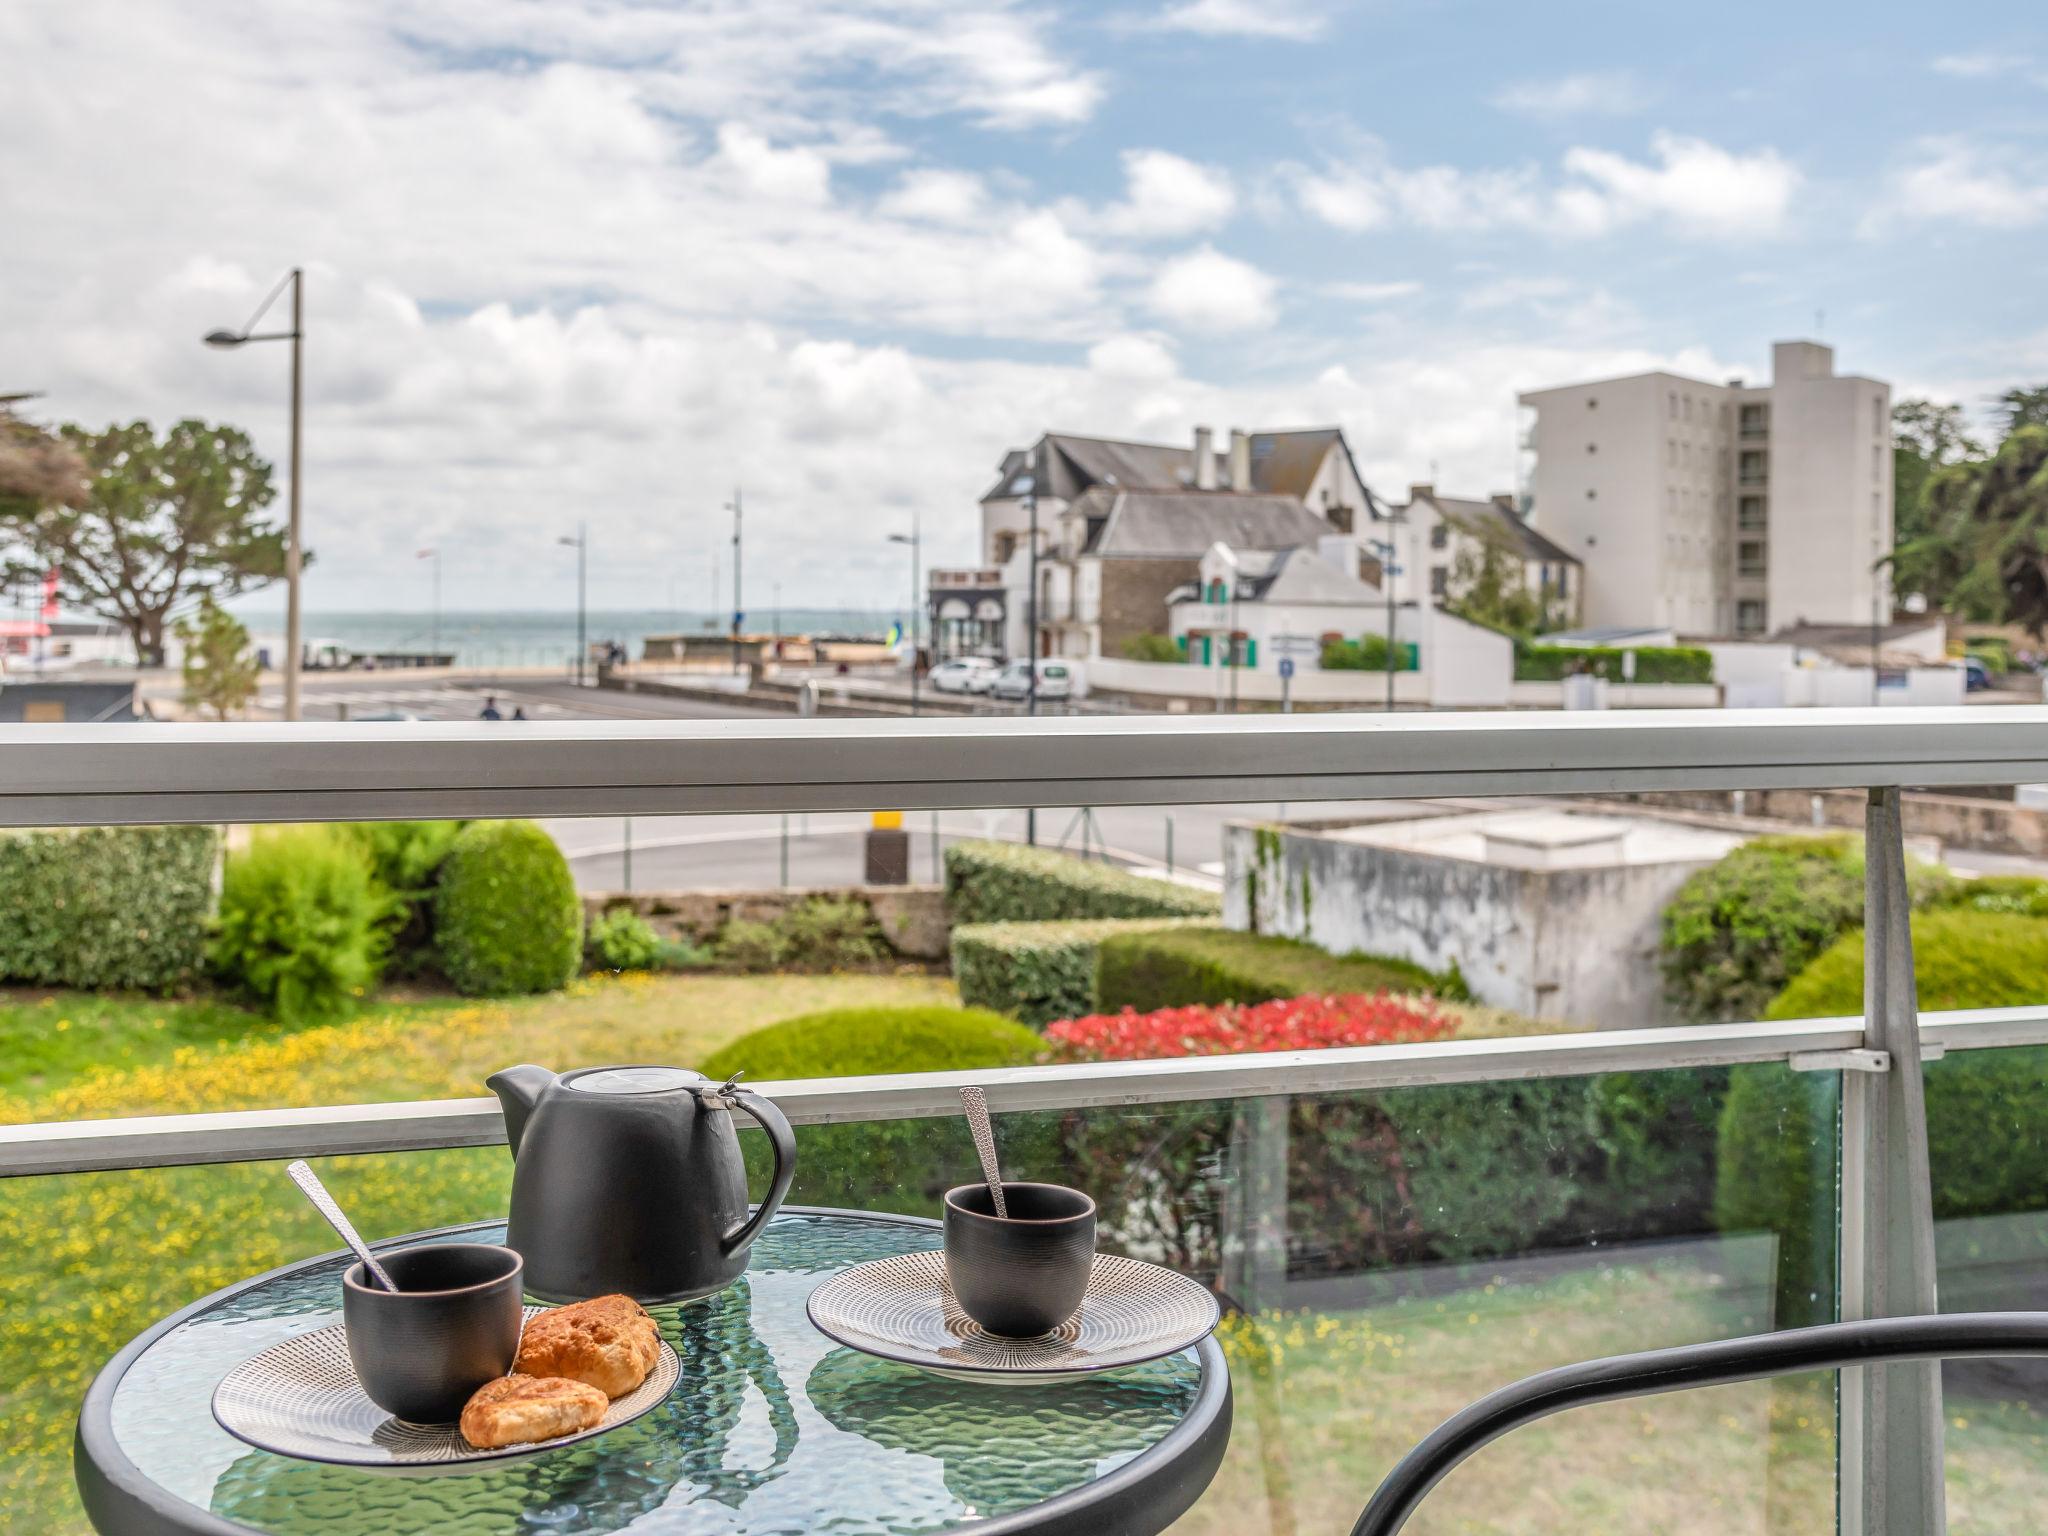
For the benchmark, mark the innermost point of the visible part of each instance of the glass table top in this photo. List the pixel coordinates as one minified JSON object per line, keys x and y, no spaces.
{"x":772,"y":1427}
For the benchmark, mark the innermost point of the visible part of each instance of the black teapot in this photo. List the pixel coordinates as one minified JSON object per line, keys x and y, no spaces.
{"x":631,"y":1179}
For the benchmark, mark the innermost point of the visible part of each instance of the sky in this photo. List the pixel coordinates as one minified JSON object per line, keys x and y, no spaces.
{"x":601,"y":261}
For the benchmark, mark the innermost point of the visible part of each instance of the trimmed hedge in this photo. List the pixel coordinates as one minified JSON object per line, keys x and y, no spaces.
{"x":406,"y":857}
{"x":303,"y":923}
{"x":1961,"y":959}
{"x":990,"y":882}
{"x":1039,"y":972}
{"x":1986,"y":1146}
{"x":1368,"y":653}
{"x":507,"y":918}
{"x":894,"y":1165}
{"x":1201,"y":965}
{"x":105,"y":906}
{"x":1654,"y":663}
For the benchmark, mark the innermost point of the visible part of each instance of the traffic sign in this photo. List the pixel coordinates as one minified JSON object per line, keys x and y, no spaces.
{"x":1286,"y":667}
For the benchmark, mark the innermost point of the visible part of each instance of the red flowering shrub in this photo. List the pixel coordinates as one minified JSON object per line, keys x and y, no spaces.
{"x":1287,"y":1024}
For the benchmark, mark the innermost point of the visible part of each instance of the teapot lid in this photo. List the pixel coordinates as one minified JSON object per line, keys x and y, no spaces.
{"x":619,"y":1080}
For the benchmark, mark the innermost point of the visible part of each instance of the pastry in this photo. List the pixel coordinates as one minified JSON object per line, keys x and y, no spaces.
{"x":515,"y":1410}
{"x":609,"y":1342}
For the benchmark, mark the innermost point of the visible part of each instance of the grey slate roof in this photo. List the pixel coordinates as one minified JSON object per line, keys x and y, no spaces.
{"x":1484,"y":518}
{"x":1170,"y":525}
{"x":1302,"y":575}
{"x":1281,"y":462}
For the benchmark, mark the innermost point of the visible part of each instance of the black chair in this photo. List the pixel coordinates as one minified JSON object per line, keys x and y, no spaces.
{"x":1965,"y":1335}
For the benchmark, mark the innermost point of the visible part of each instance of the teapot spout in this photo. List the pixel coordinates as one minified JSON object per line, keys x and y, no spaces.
{"x":518,"y":1090}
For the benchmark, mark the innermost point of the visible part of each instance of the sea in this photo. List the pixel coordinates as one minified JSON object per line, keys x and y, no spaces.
{"x":537,"y":638}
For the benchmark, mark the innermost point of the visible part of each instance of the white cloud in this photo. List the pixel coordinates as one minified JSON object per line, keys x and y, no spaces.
{"x":1208,"y":291}
{"x":1374,"y":293}
{"x":1508,"y":291}
{"x":1953,"y":181}
{"x":797,"y":175}
{"x":1286,"y":20}
{"x":1142,"y":358}
{"x":937,"y":196}
{"x":1695,"y":188}
{"x":1167,"y":197}
{"x":1614,"y":93}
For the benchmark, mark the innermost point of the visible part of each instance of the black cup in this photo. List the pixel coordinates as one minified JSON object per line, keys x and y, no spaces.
{"x":452,"y":1325}
{"x":1021,"y":1275}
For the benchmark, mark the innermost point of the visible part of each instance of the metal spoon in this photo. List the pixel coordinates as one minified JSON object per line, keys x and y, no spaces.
{"x":976,"y":1104}
{"x":323,"y":1202}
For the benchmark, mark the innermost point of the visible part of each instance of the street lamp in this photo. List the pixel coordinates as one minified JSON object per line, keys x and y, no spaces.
{"x":915,"y":541}
{"x":434,"y":647}
{"x":580,"y":542}
{"x":293,"y":556}
{"x":738,"y":614}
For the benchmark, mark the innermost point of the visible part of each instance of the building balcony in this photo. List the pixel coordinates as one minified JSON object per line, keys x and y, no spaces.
{"x":1394,"y":1229}
{"x":965,"y":579}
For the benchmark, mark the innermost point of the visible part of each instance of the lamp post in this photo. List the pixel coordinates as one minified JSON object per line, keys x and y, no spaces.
{"x":434,"y":646}
{"x":580,"y":542}
{"x":733,"y":507}
{"x":915,"y":542}
{"x":1031,"y":626}
{"x":293,"y":551}
{"x":1389,"y":568}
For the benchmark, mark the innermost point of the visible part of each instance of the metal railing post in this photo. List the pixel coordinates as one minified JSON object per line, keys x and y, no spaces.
{"x":1891,"y":1432}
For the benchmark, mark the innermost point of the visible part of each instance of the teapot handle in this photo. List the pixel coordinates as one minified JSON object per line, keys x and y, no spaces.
{"x":782,"y":1142}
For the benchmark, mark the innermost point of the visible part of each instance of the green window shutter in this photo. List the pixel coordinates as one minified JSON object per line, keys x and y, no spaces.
{"x":1251,"y":653}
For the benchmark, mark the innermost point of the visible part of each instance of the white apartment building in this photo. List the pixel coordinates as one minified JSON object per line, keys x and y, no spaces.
{"x":1716,"y":509}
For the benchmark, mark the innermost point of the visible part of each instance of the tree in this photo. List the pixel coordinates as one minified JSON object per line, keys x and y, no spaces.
{"x":36,"y":468}
{"x":219,"y":665}
{"x":1926,"y":437}
{"x":159,"y":523}
{"x":2024,"y":407}
{"x":1489,"y":584}
{"x":1993,"y":515}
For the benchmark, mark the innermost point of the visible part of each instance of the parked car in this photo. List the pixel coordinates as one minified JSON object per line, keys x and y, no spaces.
{"x":961,"y":674}
{"x":1976,"y":676}
{"x":1056,"y":680}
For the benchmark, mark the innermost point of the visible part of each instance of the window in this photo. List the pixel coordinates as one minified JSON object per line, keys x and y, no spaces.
{"x":1592,"y":402}
{"x":1439,"y":580}
{"x":1440,"y":536}
{"x":1674,"y":405}
{"x":1687,"y":404}
{"x":1591,"y":494}
{"x":1592,"y":447}
{"x":1749,"y":514}
{"x":1749,"y":558}
{"x":1749,"y":617}
{"x":1006,"y":546}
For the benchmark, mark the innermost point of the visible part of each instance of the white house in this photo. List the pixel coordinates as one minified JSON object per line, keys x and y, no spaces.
{"x":1436,"y":530}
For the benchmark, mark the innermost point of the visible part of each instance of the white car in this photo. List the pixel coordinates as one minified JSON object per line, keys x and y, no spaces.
{"x":1056,"y":680}
{"x":963,"y":674}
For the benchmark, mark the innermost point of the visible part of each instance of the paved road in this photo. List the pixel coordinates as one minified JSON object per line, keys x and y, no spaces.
{"x":444,"y":697}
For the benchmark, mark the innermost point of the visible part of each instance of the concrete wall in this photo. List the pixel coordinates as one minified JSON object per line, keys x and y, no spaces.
{"x":1572,"y":944}
{"x":1467,"y":665}
{"x":1619,"y":695}
{"x":912,"y":917}
{"x":1204,"y":687}
{"x":1830,"y":491}
{"x":1953,"y":821}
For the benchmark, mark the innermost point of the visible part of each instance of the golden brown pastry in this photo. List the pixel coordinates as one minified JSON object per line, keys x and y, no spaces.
{"x":609,"y":1342}
{"x":514,"y":1410}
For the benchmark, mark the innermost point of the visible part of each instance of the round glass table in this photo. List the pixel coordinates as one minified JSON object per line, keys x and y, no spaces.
{"x":772,"y":1428}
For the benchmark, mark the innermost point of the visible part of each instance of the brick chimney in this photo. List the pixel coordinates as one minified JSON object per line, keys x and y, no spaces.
{"x":1205,"y":460}
{"x":1240,"y":460}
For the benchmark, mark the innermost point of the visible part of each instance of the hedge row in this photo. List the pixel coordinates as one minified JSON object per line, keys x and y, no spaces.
{"x":990,"y":882}
{"x":1039,"y":972}
{"x":1368,"y":653}
{"x":1654,"y":664}
{"x":1200,"y":965}
{"x":105,"y":906}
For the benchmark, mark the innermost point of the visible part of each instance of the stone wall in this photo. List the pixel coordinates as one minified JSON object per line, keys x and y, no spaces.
{"x":912,"y":917}
{"x":1134,"y":597}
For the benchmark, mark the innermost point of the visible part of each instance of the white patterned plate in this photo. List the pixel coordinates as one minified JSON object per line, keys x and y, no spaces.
{"x":301,"y":1399}
{"x":902,"y":1309}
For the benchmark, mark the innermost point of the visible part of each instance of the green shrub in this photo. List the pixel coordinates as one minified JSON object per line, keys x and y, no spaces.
{"x":507,"y":918}
{"x":1152,"y":648}
{"x":1654,"y":663}
{"x":816,"y":936}
{"x":105,"y":906}
{"x":1176,"y":967}
{"x":684,"y":954}
{"x":1737,"y":931}
{"x":622,"y":940}
{"x":1011,"y":883}
{"x":1961,"y":959}
{"x":406,"y":857}
{"x":896,"y":1165}
{"x":1368,"y":653}
{"x":2023,"y":894}
{"x":302,"y":924}
{"x":1039,"y":972}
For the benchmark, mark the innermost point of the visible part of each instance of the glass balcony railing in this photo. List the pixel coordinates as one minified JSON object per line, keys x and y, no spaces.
{"x":1394,"y":1230}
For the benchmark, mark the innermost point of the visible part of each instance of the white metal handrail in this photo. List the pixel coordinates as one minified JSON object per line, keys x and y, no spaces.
{"x":160,"y":1141}
{"x":95,"y":775}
